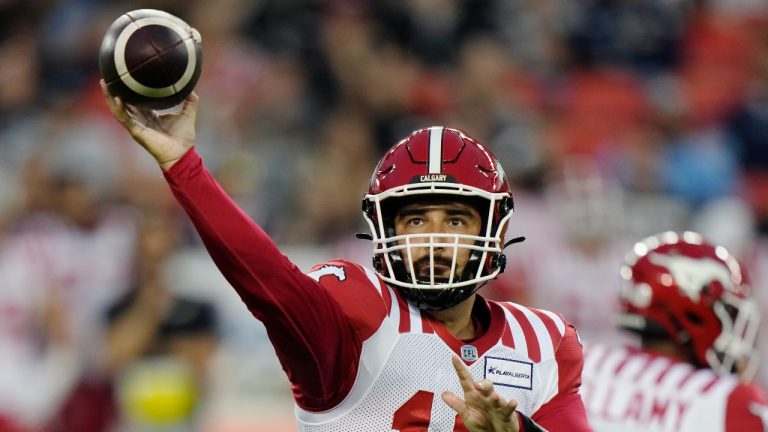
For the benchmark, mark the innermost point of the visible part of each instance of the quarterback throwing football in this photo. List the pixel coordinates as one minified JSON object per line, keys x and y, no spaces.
{"x":408,"y":345}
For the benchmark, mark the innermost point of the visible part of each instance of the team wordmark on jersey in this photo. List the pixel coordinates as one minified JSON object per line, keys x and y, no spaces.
{"x":510,"y":373}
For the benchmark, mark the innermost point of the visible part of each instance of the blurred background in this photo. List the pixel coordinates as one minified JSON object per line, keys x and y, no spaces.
{"x":614,"y":119}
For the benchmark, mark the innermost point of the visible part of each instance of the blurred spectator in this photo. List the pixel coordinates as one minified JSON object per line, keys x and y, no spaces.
{"x":39,"y":363}
{"x":639,"y":35}
{"x":158,"y":345}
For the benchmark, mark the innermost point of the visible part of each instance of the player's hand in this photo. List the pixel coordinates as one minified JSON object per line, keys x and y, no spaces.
{"x":166,"y":137}
{"x":482,"y":409}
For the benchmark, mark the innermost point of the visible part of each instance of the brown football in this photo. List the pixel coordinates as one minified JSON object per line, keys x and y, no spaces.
{"x":151,"y":59}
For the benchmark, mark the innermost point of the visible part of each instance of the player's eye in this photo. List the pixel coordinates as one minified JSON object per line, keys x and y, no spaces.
{"x":456,"y":222}
{"x":415,"y":221}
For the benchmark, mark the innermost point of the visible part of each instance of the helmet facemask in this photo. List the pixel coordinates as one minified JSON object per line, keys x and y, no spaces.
{"x":734,"y":349}
{"x":394,"y":254}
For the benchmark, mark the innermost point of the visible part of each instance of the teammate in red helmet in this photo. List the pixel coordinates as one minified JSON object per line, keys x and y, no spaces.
{"x":409,"y":345}
{"x":691,"y":306}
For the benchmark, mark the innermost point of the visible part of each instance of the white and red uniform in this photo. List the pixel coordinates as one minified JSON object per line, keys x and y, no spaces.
{"x":358,"y":355}
{"x":629,"y":390}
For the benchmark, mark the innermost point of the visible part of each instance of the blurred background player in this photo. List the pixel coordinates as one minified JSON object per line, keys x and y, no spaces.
{"x":690,"y":304}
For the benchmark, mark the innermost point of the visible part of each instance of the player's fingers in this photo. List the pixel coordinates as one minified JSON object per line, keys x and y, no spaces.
{"x":114,"y":104}
{"x":507,"y":409}
{"x":485,"y":387}
{"x":456,"y":403}
{"x":465,"y":378}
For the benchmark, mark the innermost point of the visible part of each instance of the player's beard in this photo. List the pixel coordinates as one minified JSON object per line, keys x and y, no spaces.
{"x":442,"y":269}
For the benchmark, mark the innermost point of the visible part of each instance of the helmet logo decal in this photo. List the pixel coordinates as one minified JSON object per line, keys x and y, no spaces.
{"x":436,"y":149}
{"x":692,"y":274}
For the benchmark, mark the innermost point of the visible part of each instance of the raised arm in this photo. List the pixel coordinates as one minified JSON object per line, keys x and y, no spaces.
{"x":311,"y":335}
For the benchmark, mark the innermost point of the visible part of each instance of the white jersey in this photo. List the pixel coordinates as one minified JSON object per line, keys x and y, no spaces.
{"x":405,"y":364}
{"x":36,"y":371}
{"x":628,"y":390}
{"x":88,"y":269}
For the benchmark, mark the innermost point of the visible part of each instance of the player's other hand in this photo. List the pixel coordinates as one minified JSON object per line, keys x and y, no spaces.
{"x":482,"y":409}
{"x":166,"y":137}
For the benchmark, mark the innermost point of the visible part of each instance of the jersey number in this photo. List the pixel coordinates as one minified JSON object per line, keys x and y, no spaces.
{"x":414,"y":414}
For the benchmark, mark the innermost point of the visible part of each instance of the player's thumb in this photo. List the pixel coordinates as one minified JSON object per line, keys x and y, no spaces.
{"x":189,"y":109}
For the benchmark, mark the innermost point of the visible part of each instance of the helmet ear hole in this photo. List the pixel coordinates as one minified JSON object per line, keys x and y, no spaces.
{"x":694,"y":318}
{"x":377,"y":264}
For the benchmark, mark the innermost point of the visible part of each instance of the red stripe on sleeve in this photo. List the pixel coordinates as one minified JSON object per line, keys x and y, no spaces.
{"x":665,"y":371}
{"x":710,"y":384}
{"x":687,"y":378}
{"x":554,"y":333}
{"x":746,"y":409}
{"x":506,"y":337}
{"x":386,"y":294}
{"x":621,"y":365}
{"x":426,"y":327}
{"x":563,"y":413}
{"x":405,"y":314}
{"x":534,"y":350}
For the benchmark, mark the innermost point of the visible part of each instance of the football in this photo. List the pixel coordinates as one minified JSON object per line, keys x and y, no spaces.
{"x":151,"y":59}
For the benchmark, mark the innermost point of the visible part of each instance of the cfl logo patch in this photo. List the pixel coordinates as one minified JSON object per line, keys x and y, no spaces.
{"x":468,"y":353}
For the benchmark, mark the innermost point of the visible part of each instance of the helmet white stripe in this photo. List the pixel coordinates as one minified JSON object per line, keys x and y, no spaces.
{"x":436,"y":150}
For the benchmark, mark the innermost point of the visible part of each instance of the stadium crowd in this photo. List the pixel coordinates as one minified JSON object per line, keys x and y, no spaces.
{"x":615,"y":120}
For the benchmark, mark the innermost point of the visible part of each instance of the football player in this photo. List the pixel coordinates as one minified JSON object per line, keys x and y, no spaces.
{"x":409,"y":345}
{"x":690,"y":305}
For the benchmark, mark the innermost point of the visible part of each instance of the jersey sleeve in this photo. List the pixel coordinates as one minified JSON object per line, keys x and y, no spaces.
{"x":362,"y":296}
{"x":565,"y":411}
{"x":746,"y":409}
{"x":312,"y":336}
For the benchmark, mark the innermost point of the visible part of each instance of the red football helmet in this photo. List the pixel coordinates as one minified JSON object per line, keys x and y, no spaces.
{"x":438,"y":161}
{"x":695,"y":293}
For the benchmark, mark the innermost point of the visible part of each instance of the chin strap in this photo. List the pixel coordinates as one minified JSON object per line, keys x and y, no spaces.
{"x":510,"y":242}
